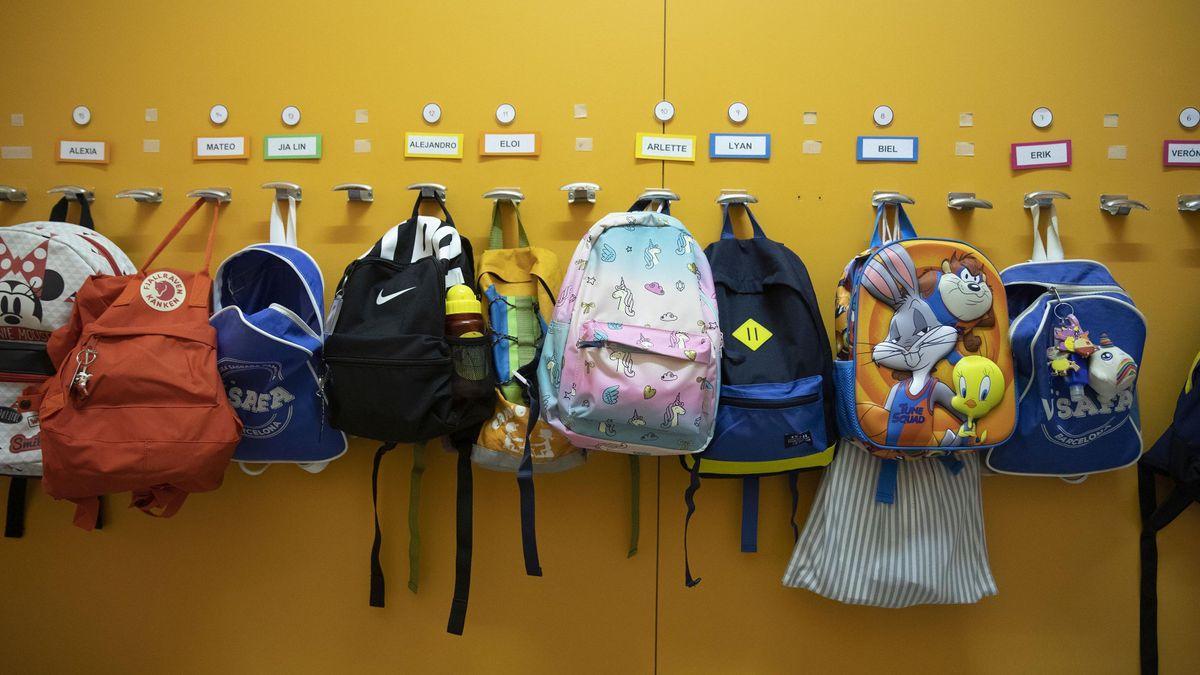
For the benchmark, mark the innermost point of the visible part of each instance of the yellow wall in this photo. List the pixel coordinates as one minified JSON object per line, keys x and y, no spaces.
{"x":270,"y":573}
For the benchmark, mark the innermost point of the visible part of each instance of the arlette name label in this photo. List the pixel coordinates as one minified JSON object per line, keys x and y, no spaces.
{"x":1181,"y":153}
{"x":221,"y":147}
{"x":443,"y":146}
{"x":525,"y":145}
{"x":739,"y":146}
{"x":92,"y":152}
{"x":670,"y":147}
{"x":1040,"y":155}
{"x":886,"y":149}
{"x":292,"y":146}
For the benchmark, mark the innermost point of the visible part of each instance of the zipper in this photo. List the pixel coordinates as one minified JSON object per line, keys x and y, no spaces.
{"x":767,"y":404}
{"x":1074,"y":292}
{"x":387,"y":362}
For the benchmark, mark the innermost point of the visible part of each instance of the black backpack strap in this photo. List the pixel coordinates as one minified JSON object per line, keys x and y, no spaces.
{"x":1148,"y":601}
{"x":58,"y":214}
{"x":689,"y":498}
{"x":527,"y":376}
{"x":441,"y":202}
{"x":414,"y":510}
{"x":462,"y":442}
{"x":750,"y":514}
{"x":14,"y":520}
{"x":377,"y":582}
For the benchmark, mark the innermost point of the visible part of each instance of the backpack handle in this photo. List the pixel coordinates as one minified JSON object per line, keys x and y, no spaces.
{"x":727,"y":224}
{"x":281,"y":232}
{"x":641,"y":204}
{"x":1052,"y":249}
{"x":441,"y":202}
{"x":212,"y":235}
{"x":885,"y":232}
{"x":58,"y":214}
{"x":496,"y":238}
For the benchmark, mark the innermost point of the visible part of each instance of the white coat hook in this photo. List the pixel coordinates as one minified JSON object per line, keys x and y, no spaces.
{"x":1189,"y":203}
{"x":879,"y":197}
{"x":356,"y":192}
{"x":660,"y":195}
{"x":1043,"y":198}
{"x":508,"y":194}
{"x":72,"y":191}
{"x":430,"y":190}
{"x":581,"y":191}
{"x":966,"y":201}
{"x":1120,"y":205}
{"x":283,"y":190}
{"x":9,"y":193}
{"x":731,"y":196}
{"x":221,"y":195}
{"x":142,"y":195}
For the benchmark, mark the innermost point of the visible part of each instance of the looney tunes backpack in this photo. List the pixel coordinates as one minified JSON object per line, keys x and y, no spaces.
{"x":1077,"y":343}
{"x":775,"y":415}
{"x":923,"y":364}
{"x":42,"y":265}
{"x":268,"y":309}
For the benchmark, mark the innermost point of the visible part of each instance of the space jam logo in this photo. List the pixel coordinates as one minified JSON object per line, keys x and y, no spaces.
{"x":163,"y":291}
{"x":906,"y":413}
{"x":256,"y":392}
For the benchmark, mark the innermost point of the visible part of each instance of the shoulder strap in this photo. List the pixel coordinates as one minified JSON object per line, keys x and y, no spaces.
{"x":886,"y":233}
{"x":377,"y":580}
{"x":281,"y":232}
{"x":496,"y":238}
{"x":58,"y":214}
{"x":416,"y":211}
{"x":727,"y":225}
{"x":414,"y":505}
{"x":1052,"y":249}
{"x":212,"y":234}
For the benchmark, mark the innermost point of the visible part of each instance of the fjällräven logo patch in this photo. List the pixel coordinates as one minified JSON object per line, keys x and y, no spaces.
{"x":163,"y":291}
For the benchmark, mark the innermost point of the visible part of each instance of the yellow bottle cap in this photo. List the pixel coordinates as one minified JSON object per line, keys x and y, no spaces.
{"x":460,"y":299}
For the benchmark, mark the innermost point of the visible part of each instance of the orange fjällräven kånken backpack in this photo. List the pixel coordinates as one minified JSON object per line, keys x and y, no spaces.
{"x":137,"y":403}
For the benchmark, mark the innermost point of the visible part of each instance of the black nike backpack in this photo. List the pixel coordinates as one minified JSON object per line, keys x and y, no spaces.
{"x":392,"y":374}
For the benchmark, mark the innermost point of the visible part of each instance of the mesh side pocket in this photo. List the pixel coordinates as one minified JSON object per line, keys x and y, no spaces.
{"x":474,"y":378}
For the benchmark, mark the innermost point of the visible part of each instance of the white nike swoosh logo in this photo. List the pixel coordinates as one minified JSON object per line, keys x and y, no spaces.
{"x":384,"y":298}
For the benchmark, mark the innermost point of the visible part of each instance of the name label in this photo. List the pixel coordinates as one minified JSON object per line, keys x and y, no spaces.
{"x":887,"y":149}
{"x":1041,"y":155}
{"x":92,"y":152}
{"x":1181,"y":153}
{"x":670,"y":147}
{"x":221,"y":147}
{"x":444,"y":146}
{"x":509,"y":144}
{"x":292,"y":146}
{"x":739,"y":146}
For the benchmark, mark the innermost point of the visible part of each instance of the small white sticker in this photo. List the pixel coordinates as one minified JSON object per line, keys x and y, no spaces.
{"x":1118,"y":152}
{"x":883,"y":115}
{"x":583,"y":144}
{"x":151,"y":114}
{"x":361,"y":116}
{"x":664,"y":111}
{"x":218,"y":114}
{"x":431,"y":113}
{"x":150,"y":145}
{"x":81,"y":115}
{"x":290,"y":115}
{"x":811,"y":147}
{"x":810,"y":118}
{"x":362,"y":145}
{"x":1111,"y":120}
{"x":1042,"y":117}
{"x":1189,"y":117}
{"x":16,"y":152}
{"x":16,"y":119}
{"x":580,"y":111}
{"x":966,"y":119}
{"x":964,"y":149}
{"x":506,"y":113}
{"x":738,"y":112}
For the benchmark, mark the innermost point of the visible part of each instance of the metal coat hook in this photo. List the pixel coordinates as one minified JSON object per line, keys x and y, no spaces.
{"x":1120,"y":205}
{"x":661,"y":195}
{"x":509,"y":194}
{"x":73,"y":190}
{"x":356,"y":192}
{"x":1189,"y":202}
{"x":142,"y":195}
{"x":430,"y":190}
{"x":221,"y":195}
{"x":1043,"y":198}
{"x":581,"y":191}
{"x":966,"y":201}
{"x":284,"y":189}
{"x":9,"y":193}
{"x":879,"y":197}
{"x":736,"y":197}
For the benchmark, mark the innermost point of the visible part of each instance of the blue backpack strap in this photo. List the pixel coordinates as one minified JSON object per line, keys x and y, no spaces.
{"x":750,"y":514}
{"x":689,"y":498}
{"x":727,"y":223}
{"x":907,"y":231}
{"x":885,"y":486}
{"x":414,"y":508}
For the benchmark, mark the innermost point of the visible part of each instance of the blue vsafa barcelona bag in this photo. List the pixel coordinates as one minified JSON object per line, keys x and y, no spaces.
{"x":268,"y":312}
{"x":1077,"y":342}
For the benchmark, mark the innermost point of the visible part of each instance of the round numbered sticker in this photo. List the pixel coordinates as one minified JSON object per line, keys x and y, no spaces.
{"x":432,"y":112}
{"x":81,"y":114}
{"x":506,"y":113}
{"x":738,"y":112}
{"x":1042,"y":117}
{"x":664,"y":111}
{"x":883,"y":115}
{"x":291,"y":115}
{"x":1189,"y":117}
{"x":218,"y":114}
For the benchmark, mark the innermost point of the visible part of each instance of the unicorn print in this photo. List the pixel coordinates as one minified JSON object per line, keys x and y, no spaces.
{"x":587,"y":367}
{"x":554,"y":372}
{"x":644,"y":342}
{"x":624,"y":298}
{"x":679,"y":339}
{"x":624,"y":360}
{"x":570,"y":393}
{"x":674,"y":411}
{"x":652,"y":253}
{"x":683,"y":245}
{"x":637,"y":420}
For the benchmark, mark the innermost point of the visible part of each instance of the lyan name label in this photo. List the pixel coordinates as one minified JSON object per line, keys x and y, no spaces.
{"x":292,"y":146}
{"x":886,"y":149}
{"x":670,"y":147}
{"x":739,"y":146}
{"x":221,"y":147}
{"x":525,"y":145}
{"x":1041,"y":155}
{"x":444,"y":146}
{"x":1181,"y":153}
{"x":92,"y":152}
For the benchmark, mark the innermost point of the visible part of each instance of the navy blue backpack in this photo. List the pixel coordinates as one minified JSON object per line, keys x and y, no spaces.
{"x":268,"y":309}
{"x":1077,"y":342}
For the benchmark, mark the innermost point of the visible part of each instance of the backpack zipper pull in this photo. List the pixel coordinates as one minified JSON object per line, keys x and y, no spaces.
{"x":79,"y":381}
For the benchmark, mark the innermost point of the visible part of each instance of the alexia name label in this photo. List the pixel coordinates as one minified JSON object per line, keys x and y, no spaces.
{"x":92,"y":152}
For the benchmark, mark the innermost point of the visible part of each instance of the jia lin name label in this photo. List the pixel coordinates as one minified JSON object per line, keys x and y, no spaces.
{"x":1041,"y":155}
{"x":509,"y":144}
{"x":221,"y":147}
{"x":739,"y":146}
{"x":94,"y":152}
{"x":445,"y":146}
{"x":886,"y":149}
{"x":292,"y":146}
{"x":1181,"y":153}
{"x":666,"y":146}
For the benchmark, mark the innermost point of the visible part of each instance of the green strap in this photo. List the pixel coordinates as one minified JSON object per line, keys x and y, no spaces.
{"x":414,"y":503}
{"x":496,"y":239}
{"x":635,"y":480}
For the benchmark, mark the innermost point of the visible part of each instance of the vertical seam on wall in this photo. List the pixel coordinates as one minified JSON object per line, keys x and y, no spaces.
{"x":662,"y":182}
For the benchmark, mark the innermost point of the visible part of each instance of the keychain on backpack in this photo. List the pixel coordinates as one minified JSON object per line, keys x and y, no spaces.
{"x":1069,"y":355}
{"x":79,"y":381}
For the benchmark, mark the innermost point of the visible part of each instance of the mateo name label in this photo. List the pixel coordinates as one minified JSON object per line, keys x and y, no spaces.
{"x":1041,"y":155}
{"x":509,"y":144}
{"x":739,"y":146}
{"x":886,"y":149}
{"x":445,"y":146}
{"x":1181,"y":153}
{"x":670,"y":147}
{"x":292,"y":146}
{"x":83,"y":151}
{"x":221,"y":147}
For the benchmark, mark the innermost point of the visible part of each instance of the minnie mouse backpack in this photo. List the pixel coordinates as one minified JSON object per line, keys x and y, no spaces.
{"x":42,"y":265}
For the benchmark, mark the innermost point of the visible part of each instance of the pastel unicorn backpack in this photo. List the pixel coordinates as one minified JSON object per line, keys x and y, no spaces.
{"x":923,"y":365}
{"x":268,"y":309}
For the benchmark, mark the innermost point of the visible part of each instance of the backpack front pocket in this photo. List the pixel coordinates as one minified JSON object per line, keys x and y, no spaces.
{"x":142,"y":370}
{"x":769,"y":425}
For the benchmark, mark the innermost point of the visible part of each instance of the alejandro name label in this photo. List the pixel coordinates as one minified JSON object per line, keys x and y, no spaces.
{"x":739,"y":146}
{"x":221,"y":147}
{"x":1041,"y":155}
{"x":91,"y":152}
{"x":1181,"y":153}
{"x":444,"y":146}
{"x":509,"y":144}
{"x":886,"y":149}
{"x":292,"y":146}
{"x":670,"y":147}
